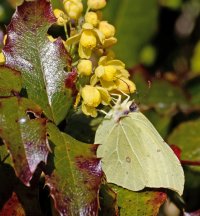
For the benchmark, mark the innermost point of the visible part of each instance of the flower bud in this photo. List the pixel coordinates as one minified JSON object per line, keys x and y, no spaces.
{"x":92,"y":18}
{"x":61,"y":17}
{"x":85,"y":67}
{"x":73,"y":8}
{"x":96,"y":4}
{"x":107,"y":29}
{"x":88,"y":39}
{"x":125,"y":85}
{"x":91,"y":96}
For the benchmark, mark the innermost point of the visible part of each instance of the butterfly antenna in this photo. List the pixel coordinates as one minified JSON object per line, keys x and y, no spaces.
{"x":127,"y":96}
{"x":125,"y":83}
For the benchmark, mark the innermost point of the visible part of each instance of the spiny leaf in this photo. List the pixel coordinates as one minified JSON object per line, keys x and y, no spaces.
{"x":41,"y":62}
{"x":75,"y":181}
{"x":143,"y":203}
{"x":10,"y":81}
{"x":24,"y":137}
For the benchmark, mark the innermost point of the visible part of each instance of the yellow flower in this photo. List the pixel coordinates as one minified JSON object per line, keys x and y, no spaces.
{"x":89,"y":110}
{"x":92,"y":97}
{"x":73,"y":8}
{"x":107,"y":29}
{"x":61,"y":17}
{"x":108,"y":71}
{"x":88,"y":39}
{"x":125,"y":85}
{"x":85,"y":67}
{"x":2,"y":58}
{"x":96,"y":4}
{"x":92,"y":18}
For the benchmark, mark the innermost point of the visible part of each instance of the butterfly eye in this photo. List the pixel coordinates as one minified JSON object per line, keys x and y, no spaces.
{"x":133,"y":107}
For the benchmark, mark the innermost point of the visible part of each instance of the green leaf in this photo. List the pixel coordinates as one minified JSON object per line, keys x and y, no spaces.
{"x":135,"y":22}
{"x":108,"y":201}
{"x":10,"y":81}
{"x":75,"y":181}
{"x":40,"y":61}
{"x":142,"y":203}
{"x":193,"y":89}
{"x":186,"y":137}
{"x":24,"y":136}
{"x":160,"y":94}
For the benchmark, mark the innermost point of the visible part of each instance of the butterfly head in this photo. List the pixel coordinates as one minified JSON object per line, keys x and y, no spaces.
{"x":122,"y":109}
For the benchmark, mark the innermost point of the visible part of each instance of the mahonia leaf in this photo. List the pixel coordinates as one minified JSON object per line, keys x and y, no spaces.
{"x":75,"y":181}
{"x":10,"y":81}
{"x":186,"y":137}
{"x":142,"y":203}
{"x":40,"y":61}
{"x":108,"y":201}
{"x":24,"y":136}
{"x":12,"y":207}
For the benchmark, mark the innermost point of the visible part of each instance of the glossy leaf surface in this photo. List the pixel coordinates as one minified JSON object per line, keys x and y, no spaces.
{"x":41,"y":62}
{"x":144,"y":203}
{"x":75,"y":181}
{"x":24,"y":136}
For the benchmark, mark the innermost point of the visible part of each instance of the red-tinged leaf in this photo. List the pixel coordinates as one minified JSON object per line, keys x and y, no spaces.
{"x":196,"y":213}
{"x":41,"y":62}
{"x":75,"y":181}
{"x":144,"y":203}
{"x":13,"y":207}
{"x":70,"y":81}
{"x":10,"y":82}
{"x":24,"y":137}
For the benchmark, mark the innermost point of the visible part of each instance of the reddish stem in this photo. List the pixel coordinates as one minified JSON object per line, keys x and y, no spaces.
{"x":190,"y":163}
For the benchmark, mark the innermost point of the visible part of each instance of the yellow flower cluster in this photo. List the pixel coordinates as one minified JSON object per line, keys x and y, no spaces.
{"x":89,"y":43}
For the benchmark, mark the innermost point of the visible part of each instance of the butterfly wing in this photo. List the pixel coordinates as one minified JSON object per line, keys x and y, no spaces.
{"x":135,"y":156}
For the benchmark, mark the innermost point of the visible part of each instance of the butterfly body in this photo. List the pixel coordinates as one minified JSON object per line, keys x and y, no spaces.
{"x":133,"y":153}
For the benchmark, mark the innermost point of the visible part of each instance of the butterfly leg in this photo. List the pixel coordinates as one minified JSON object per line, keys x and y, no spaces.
{"x":116,"y":100}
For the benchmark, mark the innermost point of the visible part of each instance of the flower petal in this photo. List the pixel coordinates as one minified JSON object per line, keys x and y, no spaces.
{"x":109,"y":42}
{"x":108,"y":85}
{"x":100,"y":35}
{"x":89,"y":111}
{"x":105,"y":96}
{"x":99,"y":71}
{"x":72,"y":40}
{"x":93,"y":80}
{"x":84,"y":52}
